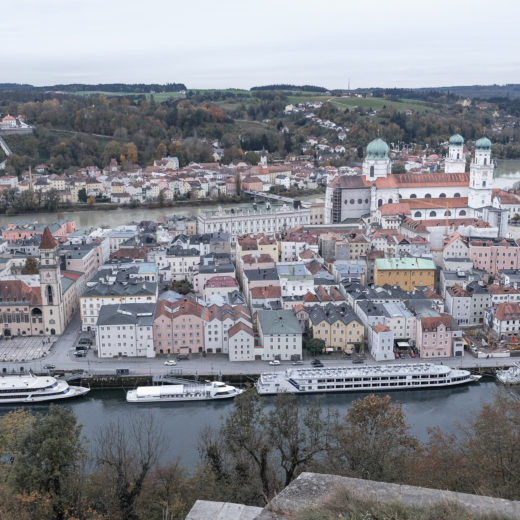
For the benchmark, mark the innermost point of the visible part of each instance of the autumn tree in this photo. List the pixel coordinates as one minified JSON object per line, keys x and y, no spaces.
{"x":255,"y":454}
{"x":126,"y":454}
{"x":30,"y":266}
{"x":373,"y":441}
{"x":49,"y":458}
{"x":51,"y":200}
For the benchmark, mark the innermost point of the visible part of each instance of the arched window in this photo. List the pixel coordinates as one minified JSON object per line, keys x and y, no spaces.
{"x":448,"y":213}
{"x":352,"y":201}
{"x":413,"y":196}
{"x":400,"y":196}
{"x":462,"y":212}
{"x":417,"y":214}
{"x":50,"y":300}
{"x":457,"y":195}
{"x":360,"y":201}
{"x":428,"y":196}
{"x":390,"y":201}
{"x":379,"y":203}
{"x":371,"y":171}
{"x":485,"y":161}
{"x":442,"y":196}
{"x":433,"y":214}
{"x":458,"y":156}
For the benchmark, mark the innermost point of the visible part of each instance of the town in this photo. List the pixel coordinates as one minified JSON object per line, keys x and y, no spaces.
{"x":384,"y":267}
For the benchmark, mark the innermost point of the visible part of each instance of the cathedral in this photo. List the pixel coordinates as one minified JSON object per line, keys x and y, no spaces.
{"x":452,"y":194}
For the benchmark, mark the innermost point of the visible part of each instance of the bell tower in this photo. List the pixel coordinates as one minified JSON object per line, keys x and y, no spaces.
{"x":481,"y":175}
{"x":456,"y":160}
{"x":50,"y":285}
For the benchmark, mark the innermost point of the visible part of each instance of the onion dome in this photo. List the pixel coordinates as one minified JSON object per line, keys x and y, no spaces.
{"x":483,"y":144}
{"x":377,"y":149}
{"x":457,"y":140}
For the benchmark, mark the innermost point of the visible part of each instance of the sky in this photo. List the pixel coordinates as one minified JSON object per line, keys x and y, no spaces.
{"x":243,"y":43}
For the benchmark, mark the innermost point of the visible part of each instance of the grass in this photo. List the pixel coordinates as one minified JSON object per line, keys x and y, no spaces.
{"x":370,"y":102}
{"x":251,"y":126}
{"x":345,"y":506}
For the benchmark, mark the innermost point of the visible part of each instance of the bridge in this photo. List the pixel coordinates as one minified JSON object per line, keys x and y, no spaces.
{"x":266,"y":195}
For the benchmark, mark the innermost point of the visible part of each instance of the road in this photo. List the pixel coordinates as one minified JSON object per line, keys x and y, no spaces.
{"x":62,"y":356}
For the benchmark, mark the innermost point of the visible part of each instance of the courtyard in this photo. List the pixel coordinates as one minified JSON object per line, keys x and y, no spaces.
{"x":19,"y":349}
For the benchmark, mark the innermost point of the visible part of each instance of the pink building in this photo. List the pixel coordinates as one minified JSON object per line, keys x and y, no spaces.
{"x":19,"y":232}
{"x":494,"y":255}
{"x":435,"y":336}
{"x":178,"y":327}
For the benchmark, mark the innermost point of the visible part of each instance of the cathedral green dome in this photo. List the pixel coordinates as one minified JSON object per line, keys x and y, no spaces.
{"x":377,"y":149}
{"x":457,"y":139}
{"x":483,"y":144}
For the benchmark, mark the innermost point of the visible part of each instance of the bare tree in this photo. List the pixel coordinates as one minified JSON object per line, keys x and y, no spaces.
{"x":126,"y":453}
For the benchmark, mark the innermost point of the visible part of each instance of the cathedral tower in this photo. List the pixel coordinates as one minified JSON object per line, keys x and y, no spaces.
{"x":456,"y":161}
{"x":481,"y":175}
{"x":377,"y":163}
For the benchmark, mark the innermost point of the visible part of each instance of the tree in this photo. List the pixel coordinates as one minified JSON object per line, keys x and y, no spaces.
{"x":13,"y":426}
{"x":161,"y":198}
{"x":252,"y":158}
{"x":373,"y":442}
{"x":49,"y":459}
{"x":398,"y":167}
{"x":82,"y":195}
{"x":126,"y":453}
{"x":52,"y":199}
{"x":315,"y":345}
{"x":91,"y":200}
{"x":254,"y":454}
{"x":30,"y":266}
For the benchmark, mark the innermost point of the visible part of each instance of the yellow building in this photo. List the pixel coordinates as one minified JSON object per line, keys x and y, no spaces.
{"x":337,"y":325}
{"x":260,"y":244}
{"x":407,"y":273}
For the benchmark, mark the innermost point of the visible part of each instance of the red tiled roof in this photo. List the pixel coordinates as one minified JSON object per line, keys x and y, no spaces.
{"x":266,"y":292}
{"x":18,"y":291}
{"x":237,"y":327}
{"x":436,"y":203}
{"x":507,"y":311}
{"x":380,"y":328}
{"x":47,"y":241}
{"x":433,"y":322}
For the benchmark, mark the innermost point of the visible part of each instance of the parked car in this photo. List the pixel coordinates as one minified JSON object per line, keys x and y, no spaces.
{"x":85,"y":341}
{"x":170,"y":363}
{"x":81,"y":347}
{"x":80,"y":353}
{"x":297,"y":362}
{"x":49,"y":367}
{"x":122,"y":371}
{"x":274,"y":362}
{"x":358,"y":360}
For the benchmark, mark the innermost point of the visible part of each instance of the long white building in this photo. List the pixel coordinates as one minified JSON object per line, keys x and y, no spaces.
{"x":276,"y":219}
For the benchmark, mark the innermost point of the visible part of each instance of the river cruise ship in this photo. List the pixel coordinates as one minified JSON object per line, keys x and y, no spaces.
{"x":36,"y":389}
{"x":184,"y":392}
{"x":370,"y":378}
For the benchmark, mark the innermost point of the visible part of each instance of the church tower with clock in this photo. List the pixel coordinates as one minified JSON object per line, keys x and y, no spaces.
{"x":50,"y":285}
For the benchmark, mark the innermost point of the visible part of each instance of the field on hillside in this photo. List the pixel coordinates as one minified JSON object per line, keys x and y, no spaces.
{"x":158,"y":96}
{"x":370,"y":102}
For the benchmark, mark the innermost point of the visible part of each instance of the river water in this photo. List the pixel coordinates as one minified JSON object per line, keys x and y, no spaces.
{"x":182,"y":423}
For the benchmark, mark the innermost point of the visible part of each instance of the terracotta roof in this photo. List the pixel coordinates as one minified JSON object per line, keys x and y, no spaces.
{"x":497,"y":289}
{"x":436,"y":203}
{"x":48,"y":241}
{"x":179,"y":308}
{"x":237,"y":327}
{"x":432,"y":323}
{"x":16,"y":291}
{"x":458,"y":291}
{"x":400,"y":208}
{"x":380,"y":328}
{"x":259,"y":293}
{"x":310,"y":297}
{"x":423,"y":180}
{"x":507,"y":311}
{"x":505,"y":197}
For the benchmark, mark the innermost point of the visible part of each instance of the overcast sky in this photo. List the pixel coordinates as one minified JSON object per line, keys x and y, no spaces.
{"x":242,"y":43}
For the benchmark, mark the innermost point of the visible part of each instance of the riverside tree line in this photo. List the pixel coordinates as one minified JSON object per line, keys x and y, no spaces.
{"x":50,"y":471}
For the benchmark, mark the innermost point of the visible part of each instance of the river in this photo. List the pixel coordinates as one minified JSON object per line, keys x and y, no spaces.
{"x":183,"y":422}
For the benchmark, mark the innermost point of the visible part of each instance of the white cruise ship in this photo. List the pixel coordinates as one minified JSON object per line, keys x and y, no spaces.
{"x":370,"y":378}
{"x":36,"y":389}
{"x":183,"y":392}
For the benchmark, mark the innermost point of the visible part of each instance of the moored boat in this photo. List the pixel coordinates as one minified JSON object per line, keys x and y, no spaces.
{"x":370,"y":378}
{"x":182,"y":392}
{"x":30,"y":389}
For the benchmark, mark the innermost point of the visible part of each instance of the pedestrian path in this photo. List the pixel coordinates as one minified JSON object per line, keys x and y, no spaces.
{"x":19,"y":349}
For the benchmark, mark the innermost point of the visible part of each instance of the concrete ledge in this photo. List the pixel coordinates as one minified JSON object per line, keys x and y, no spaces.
{"x":206,"y":510}
{"x":311,"y":489}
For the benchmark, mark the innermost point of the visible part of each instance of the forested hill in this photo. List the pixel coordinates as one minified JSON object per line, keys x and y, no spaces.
{"x":285,"y":86}
{"x":138,"y":88}
{"x":511,"y":90}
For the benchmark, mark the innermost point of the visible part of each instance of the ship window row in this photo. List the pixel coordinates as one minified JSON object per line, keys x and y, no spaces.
{"x":382,"y":378}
